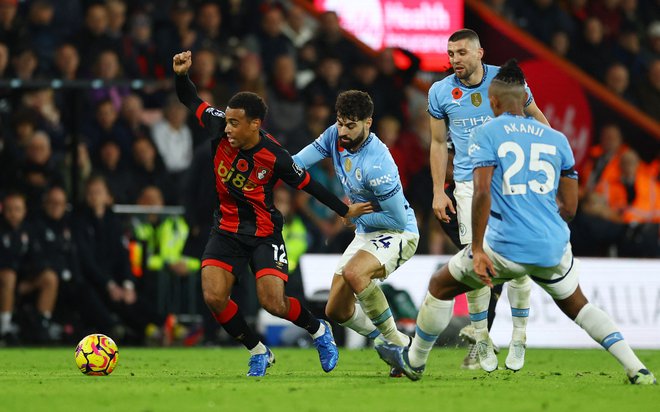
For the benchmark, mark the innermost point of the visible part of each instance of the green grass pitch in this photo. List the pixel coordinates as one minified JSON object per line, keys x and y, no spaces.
{"x":213,"y":379}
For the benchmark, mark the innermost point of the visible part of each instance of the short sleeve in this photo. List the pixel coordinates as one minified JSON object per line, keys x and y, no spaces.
{"x":530,"y":97}
{"x":480,"y":149}
{"x":567,"y":159}
{"x":435,"y":105}
{"x":382,"y":176}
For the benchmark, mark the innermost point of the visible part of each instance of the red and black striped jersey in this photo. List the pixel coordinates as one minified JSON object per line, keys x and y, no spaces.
{"x":244,"y":179}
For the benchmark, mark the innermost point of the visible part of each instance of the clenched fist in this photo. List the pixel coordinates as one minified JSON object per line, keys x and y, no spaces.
{"x":182,"y":62}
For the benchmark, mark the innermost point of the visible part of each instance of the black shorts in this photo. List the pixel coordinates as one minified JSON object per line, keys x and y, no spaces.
{"x":233,"y":252}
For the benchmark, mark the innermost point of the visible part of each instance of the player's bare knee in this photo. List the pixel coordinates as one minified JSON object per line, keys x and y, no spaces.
{"x":48,"y":279}
{"x":215,"y":300}
{"x":7,"y":279}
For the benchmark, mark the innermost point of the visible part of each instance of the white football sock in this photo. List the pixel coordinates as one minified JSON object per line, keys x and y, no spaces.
{"x":433,"y":318}
{"x":260,"y":349}
{"x":478,"y":301}
{"x":602,"y":329}
{"x":361,"y":323}
{"x":5,"y":322}
{"x":519,"y":291}
{"x":375,"y":306}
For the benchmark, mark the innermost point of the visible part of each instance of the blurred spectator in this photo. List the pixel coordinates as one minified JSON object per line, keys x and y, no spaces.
{"x":178,"y":34}
{"x":503,"y":9}
{"x":24,"y":64}
{"x":59,"y":253}
{"x":294,"y":234}
{"x":286,"y":107}
{"x":250,"y":77}
{"x":44,"y":35}
{"x":270,"y":42}
{"x":108,"y":68}
{"x":104,"y":258}
{"x":329,"y":40}
{"x":542,"y":18}
{"x":391,"y":83}
{"x":113,"y":168}
{"x":328,"y":81}
{"x":654,"y":39}
{"x":629,"y":51}
{"x":297,"y":28}
{"x":602,"y":165}
{"x":617,"y":80}
{"x":607,"y":11}
{"x":591,"y":53}
{"x":24,"y":124}
{"x":404,"y":147}
{"x":631,"y":16}
{"x":173,"y":139}
{"x":140,"y":51}
{"x":160,"y":240}
{"x":38,"y":171}
{"x":66,"y":62}
{"x":116,"y":18}
{"x":131,"y":117}
{"x":12,"y":30}
{"x":22,"y":273}
{"x":560,"y":43}
{"x":648,"y":91}
{"x":94,"y":36}
{"x":49,"y":118}
{"x":635,"y":196}
{"x":148,"y":170}
{"x":364,"y":76}
{"x":214,"y":37}
{"x":106,"y":126}
{"x":203,"y":73}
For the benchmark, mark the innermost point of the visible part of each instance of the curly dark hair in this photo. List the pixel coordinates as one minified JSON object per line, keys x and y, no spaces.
{"x":252,"y":103}
{"x":511,"y":73}
{"x":354,"y":105}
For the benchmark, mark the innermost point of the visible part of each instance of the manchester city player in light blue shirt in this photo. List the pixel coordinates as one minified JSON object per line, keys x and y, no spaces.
{"x":525,"y":191}
{"x":456,"y":105}
{"x":385,"y":239}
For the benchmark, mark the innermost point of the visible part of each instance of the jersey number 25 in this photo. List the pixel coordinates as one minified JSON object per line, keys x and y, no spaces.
{"x":535,"y":164}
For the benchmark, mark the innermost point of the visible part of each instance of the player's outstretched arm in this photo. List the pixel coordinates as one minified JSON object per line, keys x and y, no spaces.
{"x":441,"y":201}
{"x":567,"y":197}
{"x":483,"y":267}
{"x":185,"y":88}
{"x":392,"y":214}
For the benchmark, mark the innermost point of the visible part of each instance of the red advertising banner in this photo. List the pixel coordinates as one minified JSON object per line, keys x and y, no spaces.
{"x":421,"y":26}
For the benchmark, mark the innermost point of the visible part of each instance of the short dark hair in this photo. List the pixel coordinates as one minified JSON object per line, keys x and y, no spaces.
{"x":354,"y":105}
{"x":252,"y":103}
{"x":464,"y":34}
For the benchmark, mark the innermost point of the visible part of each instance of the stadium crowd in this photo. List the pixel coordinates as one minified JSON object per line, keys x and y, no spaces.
{"x":66,"y":258}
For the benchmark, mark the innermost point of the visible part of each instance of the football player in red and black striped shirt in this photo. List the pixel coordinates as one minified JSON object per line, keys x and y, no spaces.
{"x":248,"y":162}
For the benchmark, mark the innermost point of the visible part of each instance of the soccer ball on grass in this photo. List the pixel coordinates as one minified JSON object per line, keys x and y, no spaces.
{"x":97,"y":355}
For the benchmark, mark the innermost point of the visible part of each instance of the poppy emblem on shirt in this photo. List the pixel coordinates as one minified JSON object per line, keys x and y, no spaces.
{"x":262,"y":173}
{"x":456,"y":93}
{"x":476,"y":99}
{"x":242,"y":165}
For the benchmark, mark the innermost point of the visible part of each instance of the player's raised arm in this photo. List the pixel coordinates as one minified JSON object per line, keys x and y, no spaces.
{"x":209,"y":118}
{"x":439,"y":168}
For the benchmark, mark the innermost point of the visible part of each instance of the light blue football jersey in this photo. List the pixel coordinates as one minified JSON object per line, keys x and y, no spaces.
{"x":463,"y":108}
{"x":529,"y":158}
{"x":367,"y":175}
